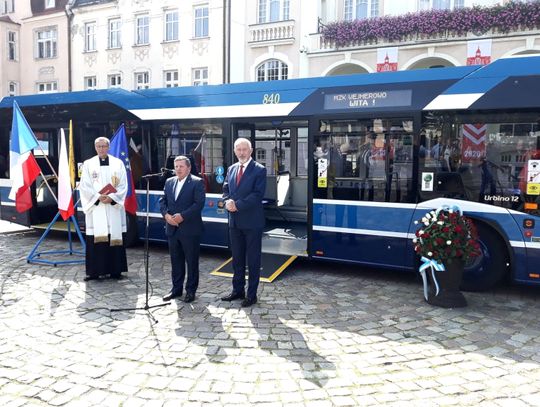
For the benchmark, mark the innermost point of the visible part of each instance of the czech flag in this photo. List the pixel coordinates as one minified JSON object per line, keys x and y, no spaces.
{"x":119,"y":149}
{"x":23,"y":169}
{"x":65,"y":194}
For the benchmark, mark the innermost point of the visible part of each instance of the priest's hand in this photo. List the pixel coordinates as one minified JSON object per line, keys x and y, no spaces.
{"x":105,"y":199}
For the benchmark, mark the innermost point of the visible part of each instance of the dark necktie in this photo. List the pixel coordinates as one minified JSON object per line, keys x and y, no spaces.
{"x":239,"y":175}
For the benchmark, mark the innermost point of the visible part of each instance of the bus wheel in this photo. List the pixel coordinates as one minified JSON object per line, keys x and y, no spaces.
{"x":488,"y":269}
{"x":132,"y":234}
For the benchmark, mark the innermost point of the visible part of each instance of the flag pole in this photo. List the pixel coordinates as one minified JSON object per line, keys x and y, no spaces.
{"x":48,"y":186}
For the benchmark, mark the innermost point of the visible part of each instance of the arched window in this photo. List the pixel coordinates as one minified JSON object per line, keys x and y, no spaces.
{"x":272,"y":70}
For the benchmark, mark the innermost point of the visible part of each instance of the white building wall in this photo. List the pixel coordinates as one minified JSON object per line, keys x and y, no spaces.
{"x":182,"y":55}
{"x":238,"y":50}
{"x":36,"y":70}
{"x":11,"y":70}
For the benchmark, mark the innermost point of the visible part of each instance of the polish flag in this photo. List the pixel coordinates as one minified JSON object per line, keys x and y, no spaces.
{"x":65,"y":194}
{"x":24,"y":168}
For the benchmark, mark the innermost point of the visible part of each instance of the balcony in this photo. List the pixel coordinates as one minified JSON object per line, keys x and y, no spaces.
{"x":320,"y":44}
{"x":278,"y":32}
{"x":431,"y":26}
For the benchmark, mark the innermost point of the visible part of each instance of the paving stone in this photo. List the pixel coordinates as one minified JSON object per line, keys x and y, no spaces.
{"x":320,"y":335}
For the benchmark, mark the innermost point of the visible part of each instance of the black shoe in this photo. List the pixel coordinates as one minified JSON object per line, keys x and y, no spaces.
{"x":233,"y":296}
{"x":189,"y":297}
{"x":171,"y":295}
{"x":248,"y":302}
{"x":118,"y":277}
{"x":90,"y":278}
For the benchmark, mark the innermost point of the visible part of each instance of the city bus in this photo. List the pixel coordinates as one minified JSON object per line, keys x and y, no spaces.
{"x":352,"y":161}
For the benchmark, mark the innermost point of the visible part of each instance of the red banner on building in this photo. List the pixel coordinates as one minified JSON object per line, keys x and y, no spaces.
{"x":387,"y":59}
{"x":479,"y":52}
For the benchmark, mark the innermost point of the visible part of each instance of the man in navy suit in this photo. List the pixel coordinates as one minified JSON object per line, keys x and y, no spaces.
{"x":181,"y":206}
{"x":243,"y":192}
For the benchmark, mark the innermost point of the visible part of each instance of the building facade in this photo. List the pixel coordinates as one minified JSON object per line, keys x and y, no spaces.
{"x":137,"y":44}
{"x":61,"y":45}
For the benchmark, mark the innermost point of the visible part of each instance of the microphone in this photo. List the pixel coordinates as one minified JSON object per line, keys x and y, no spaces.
{"x":164,"y":172}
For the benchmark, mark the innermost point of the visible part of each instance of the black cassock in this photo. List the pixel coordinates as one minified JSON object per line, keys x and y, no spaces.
{"x":102,"y":258}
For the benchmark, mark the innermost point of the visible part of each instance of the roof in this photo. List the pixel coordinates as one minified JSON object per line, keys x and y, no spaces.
{"x":503,"y":84}
{"x":38,"y":7}
{"x":90,"y":106}
{"x":7,"y":19}
{"x":83,"y":3}
{"x":500,"y":84}
{"x":248,"y":99}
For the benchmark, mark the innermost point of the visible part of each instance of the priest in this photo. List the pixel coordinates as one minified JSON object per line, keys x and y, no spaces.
{"x":103,"y":189}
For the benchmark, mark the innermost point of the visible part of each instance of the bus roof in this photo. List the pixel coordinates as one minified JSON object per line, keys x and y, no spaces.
{"x":90,"y":105}
{"x":504,"y":83}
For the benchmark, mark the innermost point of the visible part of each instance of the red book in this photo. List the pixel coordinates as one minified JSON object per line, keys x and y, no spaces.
{"x":107,"y":189}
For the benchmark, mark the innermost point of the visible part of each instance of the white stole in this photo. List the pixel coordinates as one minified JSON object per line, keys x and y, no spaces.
{"x":104,"y":219}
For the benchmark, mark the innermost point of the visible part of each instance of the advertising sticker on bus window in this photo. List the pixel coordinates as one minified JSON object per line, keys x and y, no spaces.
{"x":322,"y":172}
{"x":427,"y":181}
{"x":533,"y":177}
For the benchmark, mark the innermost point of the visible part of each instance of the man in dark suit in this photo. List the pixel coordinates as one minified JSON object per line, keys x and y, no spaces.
{"x":243,"y":192}
{"x":181,"y":206}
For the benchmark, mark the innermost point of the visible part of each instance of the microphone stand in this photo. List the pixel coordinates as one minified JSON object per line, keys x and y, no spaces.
{"x":147,"y":307}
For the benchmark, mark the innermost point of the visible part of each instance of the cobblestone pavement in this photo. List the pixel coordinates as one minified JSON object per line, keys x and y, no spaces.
{"x":321,"y":335}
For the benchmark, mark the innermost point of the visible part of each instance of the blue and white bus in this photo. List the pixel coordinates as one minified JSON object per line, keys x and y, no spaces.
{"x":352,"y":161}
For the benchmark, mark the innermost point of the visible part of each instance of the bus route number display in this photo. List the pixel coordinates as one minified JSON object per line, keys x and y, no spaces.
{"x":367,"y":100}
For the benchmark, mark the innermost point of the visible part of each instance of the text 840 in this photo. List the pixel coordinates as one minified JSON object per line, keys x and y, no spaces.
{"x":271,"y":99}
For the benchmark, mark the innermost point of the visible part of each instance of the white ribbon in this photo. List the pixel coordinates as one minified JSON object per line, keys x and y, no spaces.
{"x":447,"y":208}
{"x":434,"y":266}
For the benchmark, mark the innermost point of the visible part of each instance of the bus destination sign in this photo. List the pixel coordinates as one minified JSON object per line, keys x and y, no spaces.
{"x":367,"y":100}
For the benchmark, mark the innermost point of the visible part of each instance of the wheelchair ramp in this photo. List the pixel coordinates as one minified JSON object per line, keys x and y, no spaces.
{"x":272,"y":265}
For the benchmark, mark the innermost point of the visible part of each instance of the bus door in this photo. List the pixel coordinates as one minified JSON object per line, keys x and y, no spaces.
{"x":282,"y":149}
{"x":362,"y":188}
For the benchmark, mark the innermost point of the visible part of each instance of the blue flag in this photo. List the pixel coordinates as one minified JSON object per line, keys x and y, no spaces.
{"x":119,"y":149}
{"x":22,"y":136}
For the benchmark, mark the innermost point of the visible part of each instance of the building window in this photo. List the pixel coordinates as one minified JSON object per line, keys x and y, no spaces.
{"x":171,"y":25}
{"x":115,"y":38}
{"x":90,"y":83}
{"x":360,"y":9}
{"x":170,"y":79}
{"x":90,"y":36}
{"x":142,"y":80}
{"x":7,"y":6}
{"x":440,"y":4}
{"x":200,"y":76}
{"x":13,"y":89}
{"x":49,"y":3}
{"x":272,"y":70}
{"x":12,"y":45}
{"x":260,"y":154}
{"x":46,"y":87}
{"x":142,"y":36}
{"x":201,"y":21}
{"x":114,"y":80}
{"x":46,"y":43}
{"x":272,"y":10}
